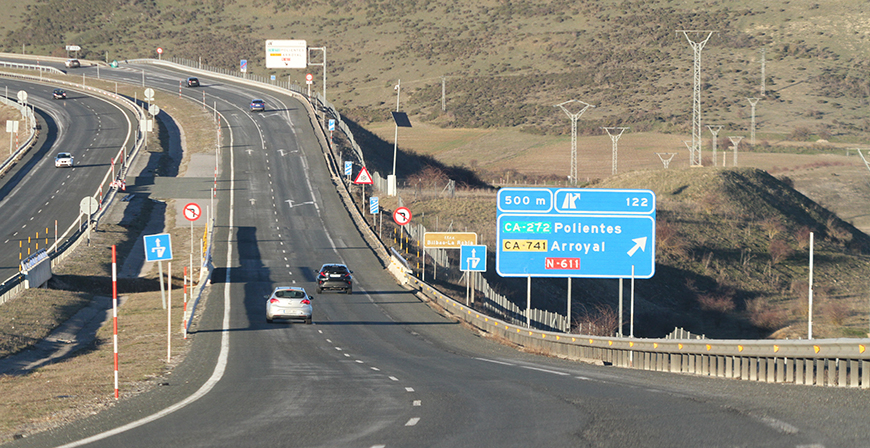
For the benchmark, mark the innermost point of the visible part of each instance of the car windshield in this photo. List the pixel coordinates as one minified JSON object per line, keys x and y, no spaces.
{"x":63,"y":155}
{"x":335,"y":269}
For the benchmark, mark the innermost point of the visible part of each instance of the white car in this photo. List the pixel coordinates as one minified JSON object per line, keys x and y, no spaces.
{"x":63,"y":159}
{"x":72,"y":63}
{"x":288,"y":302}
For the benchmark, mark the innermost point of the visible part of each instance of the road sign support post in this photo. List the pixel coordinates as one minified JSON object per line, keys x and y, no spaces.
{"x":529,"y":302}
{"x":88,"y":224}
{"x":169,"y":313}
{"x":619,"y":321}
{"x":567,"y":328}
{"x":467,"y":288}
{"x":810,"y":293}
{"x":631,"y":324}
{"x":162,"y":291}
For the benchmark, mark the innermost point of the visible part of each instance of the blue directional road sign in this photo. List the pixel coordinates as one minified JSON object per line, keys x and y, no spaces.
{"x":158,"y":247}
{"x":575,"y":232}
{"x":472,"y":258}
{"x":373,"y":205}
{"x":348,"y":168}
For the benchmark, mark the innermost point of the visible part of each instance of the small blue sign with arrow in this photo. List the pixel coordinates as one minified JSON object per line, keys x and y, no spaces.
{"x":472,"y":258}
{"x":158,"y":247}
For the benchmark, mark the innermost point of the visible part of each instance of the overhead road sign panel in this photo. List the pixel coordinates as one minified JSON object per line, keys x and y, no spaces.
{"x":286,"y":54}
{"x":448,"y":240}
{"x":575,"y":232}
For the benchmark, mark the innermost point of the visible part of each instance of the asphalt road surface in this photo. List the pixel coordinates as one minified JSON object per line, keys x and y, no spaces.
{"x":379,"y":367}
{"x":35,"y":194}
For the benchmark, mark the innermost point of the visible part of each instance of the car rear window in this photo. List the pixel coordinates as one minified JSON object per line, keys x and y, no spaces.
{"x":290,"y":294}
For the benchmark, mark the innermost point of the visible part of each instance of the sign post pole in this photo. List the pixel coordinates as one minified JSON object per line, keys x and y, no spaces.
{"x":568,"y":313}
{"x":529,"y":302}
{"x":162,"y":291}
{"x":619,"y":320}
{"x":169,"y":313}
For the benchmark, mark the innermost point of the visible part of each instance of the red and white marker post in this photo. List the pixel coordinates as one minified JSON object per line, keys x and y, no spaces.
{"x":115,"y":313}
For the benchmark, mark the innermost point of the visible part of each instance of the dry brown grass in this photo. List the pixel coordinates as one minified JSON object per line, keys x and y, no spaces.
{"x":82,"y":383}
{"x":8,"y":113}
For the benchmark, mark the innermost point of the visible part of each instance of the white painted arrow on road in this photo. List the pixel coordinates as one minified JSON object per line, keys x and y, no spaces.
{"x":639,"y":243}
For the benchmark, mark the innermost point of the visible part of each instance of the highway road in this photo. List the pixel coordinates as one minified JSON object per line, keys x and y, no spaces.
{"x":381,"y":368}
{"x":35,"y":194}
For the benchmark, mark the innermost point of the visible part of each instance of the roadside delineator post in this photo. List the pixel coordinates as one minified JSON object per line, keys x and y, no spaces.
{"x":115,"y":314}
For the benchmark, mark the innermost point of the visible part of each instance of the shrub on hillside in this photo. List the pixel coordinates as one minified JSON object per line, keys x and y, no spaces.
{"x":779,"y":250}
{"x":765,"y":315}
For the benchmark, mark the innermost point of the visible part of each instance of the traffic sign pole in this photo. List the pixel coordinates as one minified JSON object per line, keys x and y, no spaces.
{"x":162,"y":291}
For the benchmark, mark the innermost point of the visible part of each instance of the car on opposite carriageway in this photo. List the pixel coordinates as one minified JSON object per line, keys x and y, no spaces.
{"x":63,"y":159}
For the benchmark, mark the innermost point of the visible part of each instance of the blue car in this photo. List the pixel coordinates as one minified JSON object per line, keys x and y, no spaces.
{"x":258,"y":105}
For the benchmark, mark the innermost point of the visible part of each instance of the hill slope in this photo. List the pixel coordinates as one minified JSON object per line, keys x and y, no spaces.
{"x":508,"y":63}
{"x":732,"y":258}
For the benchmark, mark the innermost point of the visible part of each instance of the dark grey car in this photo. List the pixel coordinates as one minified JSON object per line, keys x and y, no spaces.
{"x":335,"y":277}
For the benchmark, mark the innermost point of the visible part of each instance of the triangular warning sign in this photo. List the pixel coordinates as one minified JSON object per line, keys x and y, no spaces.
{"x":363,"y":177}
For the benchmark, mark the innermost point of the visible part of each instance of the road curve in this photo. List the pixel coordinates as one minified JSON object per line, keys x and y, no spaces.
{"x":35,"y":194}
{"x":379,"y":367}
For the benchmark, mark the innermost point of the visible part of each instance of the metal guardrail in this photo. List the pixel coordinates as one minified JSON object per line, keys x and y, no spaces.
{"x":41,"y":68}
{"x":821,"y":362}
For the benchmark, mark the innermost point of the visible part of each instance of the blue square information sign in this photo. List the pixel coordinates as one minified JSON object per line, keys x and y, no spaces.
{"x":158,"y":247}
{"x":472,"y":258}
{"x":575,"y":232}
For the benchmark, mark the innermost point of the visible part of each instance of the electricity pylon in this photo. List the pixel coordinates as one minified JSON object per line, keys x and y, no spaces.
{"x":614,"y":138}
{"x":715,"y":140}
{"x":695,"y":149}
{"x":574,"y":117}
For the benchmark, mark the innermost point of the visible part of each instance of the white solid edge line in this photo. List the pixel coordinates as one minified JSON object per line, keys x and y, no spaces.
{"x":219,"y":369}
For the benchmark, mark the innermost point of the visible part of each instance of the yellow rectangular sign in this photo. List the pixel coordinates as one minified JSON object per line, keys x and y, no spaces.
{"x":448,"y":240}
{"x":524,"y":245}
